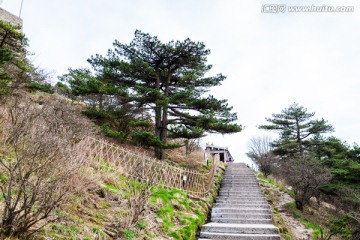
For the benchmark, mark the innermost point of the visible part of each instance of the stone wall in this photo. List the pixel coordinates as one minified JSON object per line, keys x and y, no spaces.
{"x":10,"y":18}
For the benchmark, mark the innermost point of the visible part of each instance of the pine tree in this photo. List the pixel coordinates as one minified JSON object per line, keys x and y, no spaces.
{"x":296,"y":127}
{"x":12,"y":56}
{"x":167,"y":79}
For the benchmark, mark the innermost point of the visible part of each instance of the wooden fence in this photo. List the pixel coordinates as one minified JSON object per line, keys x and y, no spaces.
{"x":145,"y":168}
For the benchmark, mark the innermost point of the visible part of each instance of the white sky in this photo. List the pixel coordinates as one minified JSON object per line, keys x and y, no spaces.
{"x":270,"y":60}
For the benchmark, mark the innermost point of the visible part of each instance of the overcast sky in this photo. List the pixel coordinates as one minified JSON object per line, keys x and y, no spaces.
{"x":270,"y":59}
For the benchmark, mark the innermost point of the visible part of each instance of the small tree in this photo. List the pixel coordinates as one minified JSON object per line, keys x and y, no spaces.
{"x":335,"y":227}
{"x":38,"y":162}
{"x":140,"y":181}
{"x":261,"y":153}
{"x":305,"y":175}
{"x":192,"y":145}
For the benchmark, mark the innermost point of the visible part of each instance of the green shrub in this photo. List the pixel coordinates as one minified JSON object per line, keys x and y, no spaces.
{"x":121,"y":136}
{"x":146,"y":139}
{"x":166,"y":195}
{"x":46,"y":87}
{"x":113,"y":188}
{"x":141,"y":225}
{"x":95,"y":113}
{"x":129,"y":234}
{"x":140,"y":123}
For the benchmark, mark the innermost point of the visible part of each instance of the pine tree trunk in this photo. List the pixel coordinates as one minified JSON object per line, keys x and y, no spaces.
{"x":158,"y":124}
{"x":101,"y":100}
{"x":158,"y":130}
{"x":298,"y":138}
{"x":164,"y":122}
{"x":299,"y":205}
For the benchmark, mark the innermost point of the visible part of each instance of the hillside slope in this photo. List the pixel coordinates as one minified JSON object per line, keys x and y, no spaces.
{"x":57,"y":192}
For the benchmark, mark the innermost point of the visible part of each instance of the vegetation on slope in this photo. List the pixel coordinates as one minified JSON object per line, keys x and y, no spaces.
{"x":95,"y":201}
{"x":316,"y":221}
{"x":314,"y":166}
{"x":50,"y":188}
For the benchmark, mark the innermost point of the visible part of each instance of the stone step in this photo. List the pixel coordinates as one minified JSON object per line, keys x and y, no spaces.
{"x":229,"y":201}
{"x":242,"y":184}
{"x":237,"y":173}
{"x":242,"y":198}
{"x":240,"y":228}
{"x":241,"y":193}
{"x":230,"y":236}
{"x":250,"y":185}
{"x":240,"y":180}
{"x":236,"y":181}
{"x":234,"y":190}
{"x":242,"y":215}
{"x":239,"y":186}
{"x":237,"y":189}
{"x":225,"y":209}
{"x":243,"y":205}
{"x":239,"y":177}
{"x":238,"y":210}
{"x":244,"y":194}
{"x":242,"y":221}
{"x":240,"y":189}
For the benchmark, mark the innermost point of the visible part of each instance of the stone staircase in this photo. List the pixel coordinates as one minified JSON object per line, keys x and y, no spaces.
{"x":241,"y":210}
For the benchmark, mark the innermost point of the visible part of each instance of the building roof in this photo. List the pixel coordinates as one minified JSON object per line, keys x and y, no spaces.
{"x":218,"y":149}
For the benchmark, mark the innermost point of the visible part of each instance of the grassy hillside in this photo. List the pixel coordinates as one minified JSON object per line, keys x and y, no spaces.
{"x":53,"y":191}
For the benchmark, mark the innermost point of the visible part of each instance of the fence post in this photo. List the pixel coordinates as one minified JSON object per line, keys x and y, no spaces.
{"x":184,"y":179}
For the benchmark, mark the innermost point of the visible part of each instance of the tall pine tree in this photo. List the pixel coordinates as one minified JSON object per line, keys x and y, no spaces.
{"x":168,"y":79}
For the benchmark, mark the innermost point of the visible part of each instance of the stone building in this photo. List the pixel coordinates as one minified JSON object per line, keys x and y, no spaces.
{"x":10,"y":18}
{"x":224,"y":153}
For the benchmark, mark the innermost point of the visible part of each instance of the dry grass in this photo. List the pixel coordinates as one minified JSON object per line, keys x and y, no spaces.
{"x":194,"y":161}
{"x":97,"y":204}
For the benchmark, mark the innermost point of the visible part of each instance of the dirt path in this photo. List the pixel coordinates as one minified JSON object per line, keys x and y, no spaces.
{"x":289,"y":226}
